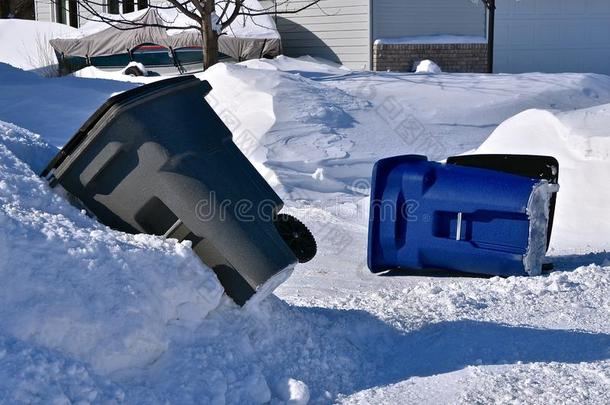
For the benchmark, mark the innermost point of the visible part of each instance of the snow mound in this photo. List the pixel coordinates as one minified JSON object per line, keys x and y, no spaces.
{"x":293,"y":391}
{"x":427,"y":66}
{"x":246,"y":107}
{"x":31,"y":374}
{"x":306,"y":65}
{"x":289,"y":140}
{"x":581,"y":143}
{"x":25,"y":44}
{"x":108,"y":298}
{"x":91,"y":72}
{"x":297,"y":119}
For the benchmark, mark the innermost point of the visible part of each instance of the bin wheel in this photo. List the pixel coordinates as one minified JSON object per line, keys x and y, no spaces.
{"x":298,"y":238}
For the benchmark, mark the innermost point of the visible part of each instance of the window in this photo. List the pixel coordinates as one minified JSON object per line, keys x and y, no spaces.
{"x":73,"y":13}
{"x":66,"y":12}
{"x":125,"y":6}
{"x":60,"y":16}
{"x":113,"y":7}
{"x":128,"y":6}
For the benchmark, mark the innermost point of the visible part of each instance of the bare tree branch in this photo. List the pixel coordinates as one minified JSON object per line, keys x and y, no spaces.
{"x":183,"y":8}
{"x":234,"y":14}
{"x":254,"y":13}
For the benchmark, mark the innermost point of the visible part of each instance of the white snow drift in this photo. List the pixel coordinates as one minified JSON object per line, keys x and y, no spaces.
{"x":71,"y":284}
{"x":89,"y":314}
{"x":25,"y":44}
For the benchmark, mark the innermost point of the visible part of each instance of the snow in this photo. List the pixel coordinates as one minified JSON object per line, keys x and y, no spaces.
{"x":78,"y":276}
{"x":216,"y":24}
{"x":95,"y":315}
{"x":293,"y":392}
{"x":538,"y":211}
{"x":427,"y":66}
{"x":432,"y":39}
{"x":91,"y":72}
{"x":307,"y":65}
{"x":25,"y":44}
{"x":31,"y":374}
{"x":300,"y":121}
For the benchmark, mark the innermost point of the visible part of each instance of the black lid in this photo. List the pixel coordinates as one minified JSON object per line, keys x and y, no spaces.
{"x":82,"y":132}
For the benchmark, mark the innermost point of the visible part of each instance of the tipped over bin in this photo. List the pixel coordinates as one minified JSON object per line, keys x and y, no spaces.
{"x":158,"y":160}
{"x":489,"y":214}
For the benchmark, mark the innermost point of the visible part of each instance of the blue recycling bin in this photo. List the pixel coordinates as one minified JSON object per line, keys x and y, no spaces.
{"x":429,"y":215}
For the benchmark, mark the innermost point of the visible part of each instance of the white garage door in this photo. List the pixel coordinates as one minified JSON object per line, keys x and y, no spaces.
{"x":552,"y":36}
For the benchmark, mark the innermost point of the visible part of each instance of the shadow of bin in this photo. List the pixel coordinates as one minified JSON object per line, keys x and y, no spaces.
{"x":158,"y":160}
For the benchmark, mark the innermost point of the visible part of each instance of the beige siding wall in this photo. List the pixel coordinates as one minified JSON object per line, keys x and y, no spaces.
{"x":43,"y":10}
{"x":401,"y":18}
{"x":337,"y":30}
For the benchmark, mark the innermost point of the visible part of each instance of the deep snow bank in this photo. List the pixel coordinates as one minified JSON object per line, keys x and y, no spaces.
{"x":580,"y":141}
{"x":71,"y":284}
{"x":25,"y":44}
{"x":91,"y":72}
{"x":32,"y":374}
{"x":303,"y":133}
{"x":317,"y":129}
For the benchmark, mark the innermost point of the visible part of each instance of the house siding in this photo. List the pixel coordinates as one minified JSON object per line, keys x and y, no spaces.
{"x":402,"y":18}
{"x":43,"y":11}
{"x":337,"y":30}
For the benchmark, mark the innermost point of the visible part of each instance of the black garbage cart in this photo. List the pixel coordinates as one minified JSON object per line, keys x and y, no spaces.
{"x":158,"y":160}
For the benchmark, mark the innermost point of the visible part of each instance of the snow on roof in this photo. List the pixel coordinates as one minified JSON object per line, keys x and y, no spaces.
{"x":433,"y":39}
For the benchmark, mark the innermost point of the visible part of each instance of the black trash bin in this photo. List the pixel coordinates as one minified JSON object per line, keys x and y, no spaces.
{"x":157,"y":159}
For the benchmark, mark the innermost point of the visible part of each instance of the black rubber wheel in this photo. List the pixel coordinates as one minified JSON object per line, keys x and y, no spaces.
{"x":297,"y":237}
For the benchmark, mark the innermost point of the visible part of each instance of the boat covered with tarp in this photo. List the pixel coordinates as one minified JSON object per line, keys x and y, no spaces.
{"x":164,"y":37}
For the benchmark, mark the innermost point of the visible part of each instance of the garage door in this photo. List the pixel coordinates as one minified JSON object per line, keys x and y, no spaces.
{"x":552,"y":36}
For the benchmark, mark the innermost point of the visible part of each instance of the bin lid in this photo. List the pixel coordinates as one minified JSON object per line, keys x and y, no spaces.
{"x":126,"y":96}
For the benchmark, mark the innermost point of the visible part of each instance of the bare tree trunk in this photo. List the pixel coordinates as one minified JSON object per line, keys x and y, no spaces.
{"x":210,"y":43}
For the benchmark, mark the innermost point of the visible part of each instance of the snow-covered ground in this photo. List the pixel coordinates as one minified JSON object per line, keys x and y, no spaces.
{"x":95,"y":315}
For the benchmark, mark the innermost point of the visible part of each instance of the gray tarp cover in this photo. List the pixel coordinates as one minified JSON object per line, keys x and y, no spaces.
{"x":112,"y":41}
